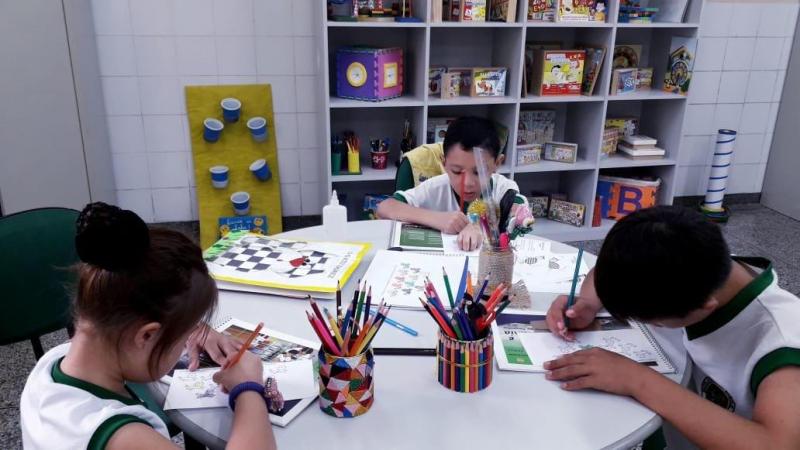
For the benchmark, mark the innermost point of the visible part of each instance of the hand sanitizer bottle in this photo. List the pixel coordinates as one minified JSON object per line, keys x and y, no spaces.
{"x":334,"y":220}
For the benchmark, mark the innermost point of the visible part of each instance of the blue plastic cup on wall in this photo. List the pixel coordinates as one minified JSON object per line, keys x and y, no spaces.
{"x":258,"y":128}
{"x":212,"y":129}
{"x":260,"y":169}
{"x":219,"y":176}
{"x":231,"y":108}
{"x":241,"y":203}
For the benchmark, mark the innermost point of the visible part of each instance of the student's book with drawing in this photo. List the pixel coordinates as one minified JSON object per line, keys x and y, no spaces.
{"x":419,"y":238}
{"x":251,"y":262}
{"x":288,"y":359}
{"x":525,"y":343}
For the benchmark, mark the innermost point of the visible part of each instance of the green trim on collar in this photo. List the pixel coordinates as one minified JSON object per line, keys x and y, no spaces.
{"x":519,"y":200}
{"x":399,"y":197}
{"x":728,"y":312}
{"x":772,"y":361}
{"x":98,"y":391}
{"x":103,"y":433}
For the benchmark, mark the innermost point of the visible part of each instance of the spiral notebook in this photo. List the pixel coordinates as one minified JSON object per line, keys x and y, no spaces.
{"x":524,"y":343}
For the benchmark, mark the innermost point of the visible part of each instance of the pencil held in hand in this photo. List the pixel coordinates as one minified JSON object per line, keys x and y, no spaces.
{"x":244,"y":347}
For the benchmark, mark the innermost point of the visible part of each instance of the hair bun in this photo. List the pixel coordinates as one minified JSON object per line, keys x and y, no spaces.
{"x":111,"y":238}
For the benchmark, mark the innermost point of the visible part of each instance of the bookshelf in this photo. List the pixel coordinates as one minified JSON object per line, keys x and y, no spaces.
{"x":578,"y":118}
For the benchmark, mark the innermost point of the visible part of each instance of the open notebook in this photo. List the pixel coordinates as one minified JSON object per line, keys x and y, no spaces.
{"x":524,"y":343}
{"x":399,"y":277}
{"x":419,"y":238}
{"x":288,"y":359}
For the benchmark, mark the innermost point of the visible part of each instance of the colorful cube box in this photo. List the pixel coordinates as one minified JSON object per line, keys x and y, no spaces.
{"x":368,"y":73}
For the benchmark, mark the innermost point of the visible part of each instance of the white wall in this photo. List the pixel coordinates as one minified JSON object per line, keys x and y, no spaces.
{"x":149,"y":49}
{"x":738,"y":79}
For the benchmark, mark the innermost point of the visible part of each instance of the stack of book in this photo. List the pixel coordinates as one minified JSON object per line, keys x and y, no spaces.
{"x":639,"y":146}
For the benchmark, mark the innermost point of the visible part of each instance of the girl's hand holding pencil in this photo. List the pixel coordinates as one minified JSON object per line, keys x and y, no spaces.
{"x":248,"y":368}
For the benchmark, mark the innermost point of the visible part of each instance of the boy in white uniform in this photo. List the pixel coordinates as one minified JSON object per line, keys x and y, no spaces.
{"x":670,"y":266}
{"x":436,"y":202}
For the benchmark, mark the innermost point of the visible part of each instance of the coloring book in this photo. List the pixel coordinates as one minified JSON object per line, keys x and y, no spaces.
{"x":252,"y":262}
{"x":525,"y":343}
{"x":288,"y":359}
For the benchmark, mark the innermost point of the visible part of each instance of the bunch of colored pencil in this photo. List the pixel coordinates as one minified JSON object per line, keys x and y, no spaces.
{"x":351,"y":333}
{"x":465,"y":366}
{"x":470,"y":315}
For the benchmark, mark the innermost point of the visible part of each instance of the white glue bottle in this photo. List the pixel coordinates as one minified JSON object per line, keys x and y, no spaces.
{"x":334,"y":220}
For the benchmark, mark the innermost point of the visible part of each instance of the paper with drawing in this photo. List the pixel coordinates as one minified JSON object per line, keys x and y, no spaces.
{"x":191,"y":390}
{"x":544,"y":270}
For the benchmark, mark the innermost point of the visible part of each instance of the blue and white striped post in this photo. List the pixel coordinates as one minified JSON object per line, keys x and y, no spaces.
{"x":720,"y":168}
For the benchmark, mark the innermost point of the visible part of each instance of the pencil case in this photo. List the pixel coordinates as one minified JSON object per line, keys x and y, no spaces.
{"x":465,"y":366}
{"x":345,"y":383}
{"x":498,"y":264}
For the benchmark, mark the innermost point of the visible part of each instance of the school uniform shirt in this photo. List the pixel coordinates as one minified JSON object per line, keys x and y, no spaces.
{"x":436,"y":194}
{"x":745,"y":340}
{"x":58,"y":411}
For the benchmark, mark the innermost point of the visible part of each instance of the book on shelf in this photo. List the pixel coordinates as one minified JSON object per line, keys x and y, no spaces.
{"x":639,"y":141}
{"x":623,"y":81}
{"x":626,"y":125}
{"x":536,"y":126}
{"x":642,"y":153}
{"x":530,"y":55}
{"x":244,"y":261}
{"x":593,"y":65}
{"x":580,"y":11}
{"x":503,"y":10}
{"x":523,"y":342}
{"x":558,"y":72}
{"x":570,"y":213}
{"x":680,"y":65}
{"x":644,"y":79}
{"x":541,"y":10}
{"x":473,"y":11}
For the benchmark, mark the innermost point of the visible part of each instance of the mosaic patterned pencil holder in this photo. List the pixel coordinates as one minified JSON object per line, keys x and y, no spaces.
{"x":465,"y":366}
{"x":498,"y":264}
{"x":345,"y":384}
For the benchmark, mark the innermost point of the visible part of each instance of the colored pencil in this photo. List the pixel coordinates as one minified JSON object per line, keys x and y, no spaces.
{"x":369,"y":303}
{"x":334,"y":326}
{"x":338,"y":303}
{"x":347,"y":318}
{"x":483,"y":287}
{"x":398,"y":325}
{"x":323,"y":336}
{"x":360,"y":304}
{"x":462,"y":283}
{"x":469,"y":284}
{"x":571,"y":298}
{"x":246,"y":345}
{"x":447,"y":285}
{"x":442,"y":324}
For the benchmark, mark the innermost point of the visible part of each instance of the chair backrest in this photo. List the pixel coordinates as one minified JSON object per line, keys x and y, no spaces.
{"x":419,"y":164}
{"x":37,"y":252}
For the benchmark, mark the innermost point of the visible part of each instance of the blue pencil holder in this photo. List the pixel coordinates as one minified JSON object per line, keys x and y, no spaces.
{"x":241,"y":203}
{"x":231,"y":108}
{"x":258,"y":128}
{"x":260,"y":169}
{"x":212,"y":129}
{"x":219,"y":176}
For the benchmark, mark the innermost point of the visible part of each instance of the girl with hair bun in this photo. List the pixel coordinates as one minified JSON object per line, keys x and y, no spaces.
{"x":143,"y":295}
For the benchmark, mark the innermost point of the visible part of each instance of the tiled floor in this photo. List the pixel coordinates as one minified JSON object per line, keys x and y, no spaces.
{"x":752,"y":230}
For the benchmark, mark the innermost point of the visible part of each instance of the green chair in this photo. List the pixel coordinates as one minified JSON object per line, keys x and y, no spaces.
{"x":37,"y":252}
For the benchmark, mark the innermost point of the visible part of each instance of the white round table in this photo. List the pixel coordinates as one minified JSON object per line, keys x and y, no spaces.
{"x":411,"y":409}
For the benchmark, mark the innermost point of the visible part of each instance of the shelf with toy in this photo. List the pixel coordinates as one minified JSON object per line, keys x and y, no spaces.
{"x":573,"y":186}
{"x":575,"y":123}
{"x":491,"y":51}
{"x":376,"y":66}
{"x":659,"y":119}
{"x":386,"y":13}
{"x":566,"y":62}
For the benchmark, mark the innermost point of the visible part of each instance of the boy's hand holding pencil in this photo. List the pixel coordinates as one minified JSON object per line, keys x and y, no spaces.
{"x":581,"y":314}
